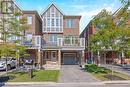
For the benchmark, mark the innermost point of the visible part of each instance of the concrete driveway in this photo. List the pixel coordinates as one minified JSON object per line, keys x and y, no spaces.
{"x":73,"y":73}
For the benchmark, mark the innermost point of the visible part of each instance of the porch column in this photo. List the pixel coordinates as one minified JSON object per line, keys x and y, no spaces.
{"x":59,"y":58}
{"x":39,"y":59}
{"x":82,"y":57}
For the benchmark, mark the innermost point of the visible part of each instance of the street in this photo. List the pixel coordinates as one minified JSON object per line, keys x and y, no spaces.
{"x":69,"y":85}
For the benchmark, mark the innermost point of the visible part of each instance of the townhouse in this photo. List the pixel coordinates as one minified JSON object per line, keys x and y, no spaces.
{"x":53,"y":38}
{"x":61,"y":42}
{"x":91,"y":29}
{"x":57,"y":41}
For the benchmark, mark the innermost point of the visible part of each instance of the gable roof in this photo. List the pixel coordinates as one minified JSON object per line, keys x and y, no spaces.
{"x":52,"y":4}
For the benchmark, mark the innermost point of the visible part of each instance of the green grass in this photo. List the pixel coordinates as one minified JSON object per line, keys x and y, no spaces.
{"x":38,"y":76}
{"x":104,"y":74}
{"x":101,"y":77}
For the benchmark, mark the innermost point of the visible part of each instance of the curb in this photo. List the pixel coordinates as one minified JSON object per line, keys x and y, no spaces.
{"x":52,"y":83}
{"x":117,"y":82}
{"x":27,"y":83}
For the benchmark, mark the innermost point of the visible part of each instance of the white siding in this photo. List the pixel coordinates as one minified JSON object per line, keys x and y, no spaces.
{"x":52,"y":14}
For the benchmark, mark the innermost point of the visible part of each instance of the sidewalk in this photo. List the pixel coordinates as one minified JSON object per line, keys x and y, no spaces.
{"x":118,"y":68}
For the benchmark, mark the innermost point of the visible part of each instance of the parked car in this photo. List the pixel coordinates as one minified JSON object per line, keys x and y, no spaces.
{"x":11,"y":63}
{"x":28,"y":61}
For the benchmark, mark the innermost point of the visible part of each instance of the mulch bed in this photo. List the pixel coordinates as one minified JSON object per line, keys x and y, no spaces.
{"x":113,"y":77}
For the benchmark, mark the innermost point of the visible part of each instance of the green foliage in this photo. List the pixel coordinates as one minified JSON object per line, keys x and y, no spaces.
{"x":12,"y":27}
{"x":111,"y":35}
{"x":95,"y":69}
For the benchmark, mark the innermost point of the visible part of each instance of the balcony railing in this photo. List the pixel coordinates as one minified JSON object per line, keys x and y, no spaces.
{"x":32,"y":42}
{"x":80,"y":42}
{"x":67,"y":42}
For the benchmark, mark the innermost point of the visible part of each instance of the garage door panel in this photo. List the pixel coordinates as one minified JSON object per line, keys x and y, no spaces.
{"x":69,"y":59}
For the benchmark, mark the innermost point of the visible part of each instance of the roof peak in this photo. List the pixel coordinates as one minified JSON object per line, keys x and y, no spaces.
{"x":52,"y":3}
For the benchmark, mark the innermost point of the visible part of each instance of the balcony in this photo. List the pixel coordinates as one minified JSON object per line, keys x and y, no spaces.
{"x":32,"y":42}
{"x":66,"y":43}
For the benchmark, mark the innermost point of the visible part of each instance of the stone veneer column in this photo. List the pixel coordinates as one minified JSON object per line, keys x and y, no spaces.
{"x":82,"y":57}
{"x":39,"y":59}
{"x":59,"y":58}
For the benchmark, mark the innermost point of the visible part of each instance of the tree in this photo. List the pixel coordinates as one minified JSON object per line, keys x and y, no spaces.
{"x":112,"y":35}
{"x":20,"y":53}
{"x":11,"y":27}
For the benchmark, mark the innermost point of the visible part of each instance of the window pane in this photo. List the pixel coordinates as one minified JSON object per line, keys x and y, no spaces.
{"x":57,"y":29}
{"x":38,"y":40}
{"x":52,"y":22}
{"x":57,"y":22}
{"x":52,"y":15}
{"x":52,"y":29}
{"x":69,"y":23}
{"x":48,"y":29}
{"x":53,"y":38}
{"x":48,"y":22}
{"x":29,"y":19}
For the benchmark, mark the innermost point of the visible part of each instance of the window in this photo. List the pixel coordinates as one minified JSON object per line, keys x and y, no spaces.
{"x":52,"y":22}
{"x":28,"y":38}
{"x":52,"y":15}
{"x":47,"y":55}
{"x":48,"y":29}
{"x":53,"y":38}
{"x":29,"y":20}
{"x":53,"y":54}
{"x":69,"y":23}
{"x":57,"y":22}
{"x":52,"y":29}
{"x":38,"y":40}
{"x":57,"y":29}
{"x":48,"y":22}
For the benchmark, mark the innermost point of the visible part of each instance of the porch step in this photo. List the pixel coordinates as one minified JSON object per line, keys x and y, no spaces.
{"x":51,"y":67}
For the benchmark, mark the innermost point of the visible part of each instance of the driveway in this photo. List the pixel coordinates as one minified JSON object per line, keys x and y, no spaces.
{"x":73,"y":73}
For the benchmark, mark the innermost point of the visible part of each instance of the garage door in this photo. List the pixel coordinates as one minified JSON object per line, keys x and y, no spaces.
{"x":69,"y":59}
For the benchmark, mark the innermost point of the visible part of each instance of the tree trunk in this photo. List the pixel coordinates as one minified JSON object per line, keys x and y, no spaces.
{"x":98,"y":60}
{"x":112,"y":68}
{"x":122,"y":58}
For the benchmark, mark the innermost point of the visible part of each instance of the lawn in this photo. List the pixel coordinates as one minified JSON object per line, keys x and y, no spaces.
{"x":104,"y":74}
{"x":38,"y":76}
{"x":101,"y":76}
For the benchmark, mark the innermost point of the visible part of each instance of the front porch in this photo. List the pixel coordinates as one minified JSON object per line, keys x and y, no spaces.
{"x":53,"y":59}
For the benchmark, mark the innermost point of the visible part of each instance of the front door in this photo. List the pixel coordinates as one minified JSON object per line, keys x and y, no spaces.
{"x":53,"y":56}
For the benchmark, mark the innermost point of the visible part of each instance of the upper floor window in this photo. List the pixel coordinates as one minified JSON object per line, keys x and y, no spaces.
{"x":48,"y":22}
{"x":69,"y":23}
{"x":52,"y":38}
{"x":57,"y":22}
{"x":52,"y":14}
{"x":52,"y":22}
{"x":29,"y":20}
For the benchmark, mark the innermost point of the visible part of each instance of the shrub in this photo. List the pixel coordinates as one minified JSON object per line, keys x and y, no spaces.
{"x":95,"y":69}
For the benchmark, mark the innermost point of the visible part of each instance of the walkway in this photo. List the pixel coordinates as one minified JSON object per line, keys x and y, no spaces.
{"x":73,"y":73}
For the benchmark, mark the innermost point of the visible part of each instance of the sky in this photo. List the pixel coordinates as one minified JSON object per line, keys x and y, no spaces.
{"x":86,"y":8}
